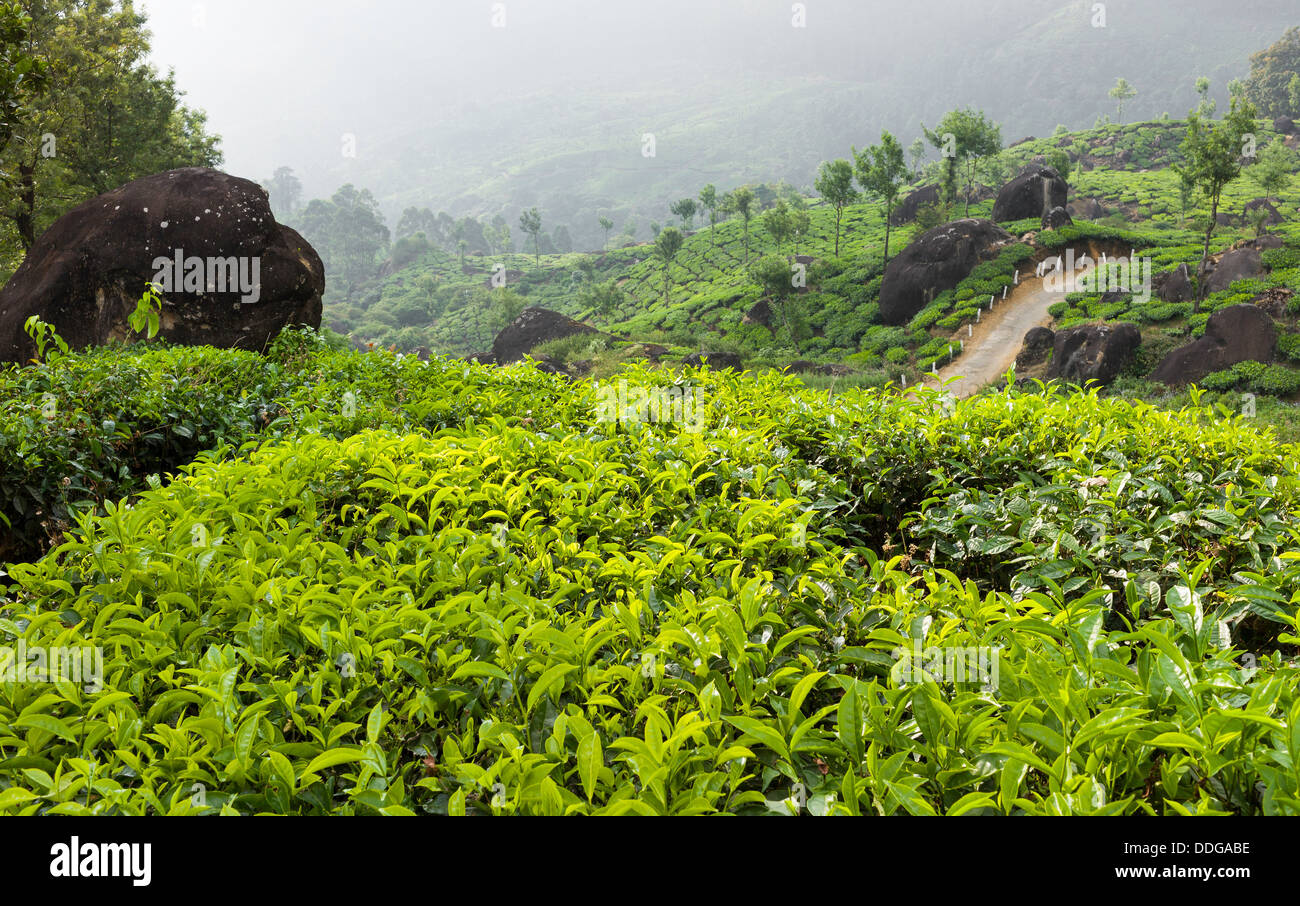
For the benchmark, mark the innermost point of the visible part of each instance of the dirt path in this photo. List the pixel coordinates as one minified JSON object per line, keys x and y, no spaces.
{"x":992,"y":346}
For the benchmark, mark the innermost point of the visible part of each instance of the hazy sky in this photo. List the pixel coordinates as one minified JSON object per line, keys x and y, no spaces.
{"x":281,"y":78}
{"x":440,"y":87}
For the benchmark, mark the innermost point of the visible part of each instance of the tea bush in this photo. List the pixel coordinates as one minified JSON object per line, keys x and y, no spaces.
{"x":469,"y":590}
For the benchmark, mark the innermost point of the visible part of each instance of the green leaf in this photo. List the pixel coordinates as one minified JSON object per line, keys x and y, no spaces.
{"x":590,"y":761}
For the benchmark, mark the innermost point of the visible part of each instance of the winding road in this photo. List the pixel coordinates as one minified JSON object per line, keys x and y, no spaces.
{"x":993,"y":344}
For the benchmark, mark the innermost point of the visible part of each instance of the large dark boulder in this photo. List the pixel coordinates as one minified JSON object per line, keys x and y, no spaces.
{"x":1092,"y":352}
{"x":1087,"y":208}
{"x":1039,"y":341}
{"x":937,"y":260}
{"x":1238,"y":333}
{"x":1056,"y":218}
{"x":1272,"y":217}
{"x":1240,"y":264}
{"x":1031,"y":194}
{"x":1284,"y":125}
{"x":908,"y":208}
{"x":86,"y":273}
{"x":532,"y":328}
{"x":1175,"y":285}
{"x":715,"y":360}
{"x":759,"y":313}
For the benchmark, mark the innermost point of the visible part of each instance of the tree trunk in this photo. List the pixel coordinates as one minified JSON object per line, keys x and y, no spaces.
{"x":25,"y":218}
{"x":839,"y":212}
{"x":1205,"y":254}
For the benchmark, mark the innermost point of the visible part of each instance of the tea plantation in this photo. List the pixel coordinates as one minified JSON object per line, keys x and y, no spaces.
{"x":328,"y":582}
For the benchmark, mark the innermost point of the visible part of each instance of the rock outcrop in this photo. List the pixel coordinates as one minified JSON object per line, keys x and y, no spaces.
{"x":230,"y":275}
{"x":1238,"y":333}
{"x":907,"y":209}
{"x":1039,"y":341}
{"x":532,"y":328}
{"x":716,"y":361}
{"x":1057,"y":218}
{"x":1092,"y":352}
{"x":1239,"y":264}
{"x":1175,"y":285}
{"x":1272,"y":217}
{"x":937,"y":260}
{"x":1031,"y":194}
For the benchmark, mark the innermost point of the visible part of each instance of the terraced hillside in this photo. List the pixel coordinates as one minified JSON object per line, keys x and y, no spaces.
{"x":1122,"y":186}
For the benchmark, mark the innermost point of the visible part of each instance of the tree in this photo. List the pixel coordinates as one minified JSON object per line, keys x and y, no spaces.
{"x":800,"y":223}
{"x":563,"y":241}
{"x":504,"y":306}
{"x":741,"y":201}
{"x":21,"y":73}
{"x":667,"y":245}
{"x":1273,"y":84}
{"x":881,"y":170}
{"x":606,"y":224}
{"x":777,"y":222}
{"x":1211,"y":160}
{"x":285,"y":193}
{"x":113,"y":118}
{"x":709,"y":202}
{"x":530,"y":222}
{"x":776,"y":278}
{"x":348,"y":232}
{"x":835,"y":185}
{"x":1207,"y":105}
{"x":1059,"y":161}
{"x":602,"y":298}
{"x":1273,"y":168}
{"x":916,"y":152}
{"x":963,"y":136}
{"x":685,"y":209}
{"x":1122,"y":92}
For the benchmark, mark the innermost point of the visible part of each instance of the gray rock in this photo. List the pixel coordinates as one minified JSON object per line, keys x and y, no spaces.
{"x":1238,"y":333}
{"x":935,"y":261}
{"x":1093,"y":352}
{"x":1031,"y":194}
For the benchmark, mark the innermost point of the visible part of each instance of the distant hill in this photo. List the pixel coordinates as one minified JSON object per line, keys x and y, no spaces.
{"x":572,"y":147}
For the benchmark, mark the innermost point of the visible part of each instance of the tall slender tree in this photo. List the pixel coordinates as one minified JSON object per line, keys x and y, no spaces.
{"x":835,"y":185}
{"x":709,"y":202}
{"x":530,"y":222}
{"x":880,"y":170}
{"x":1211,"y":160}
{"x":1122,"y":92}
{"x":667,"y":245}
{"x":741,"y":200}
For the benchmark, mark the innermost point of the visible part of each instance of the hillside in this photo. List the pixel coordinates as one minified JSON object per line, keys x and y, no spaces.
{"x":1124,"y":170}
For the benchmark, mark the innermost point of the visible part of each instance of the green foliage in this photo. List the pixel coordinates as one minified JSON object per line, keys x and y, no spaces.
{"x":1272,"y":72}
{"x":469,"y":590}
{"x":148,"y":313}
{"x":42,"y":335}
